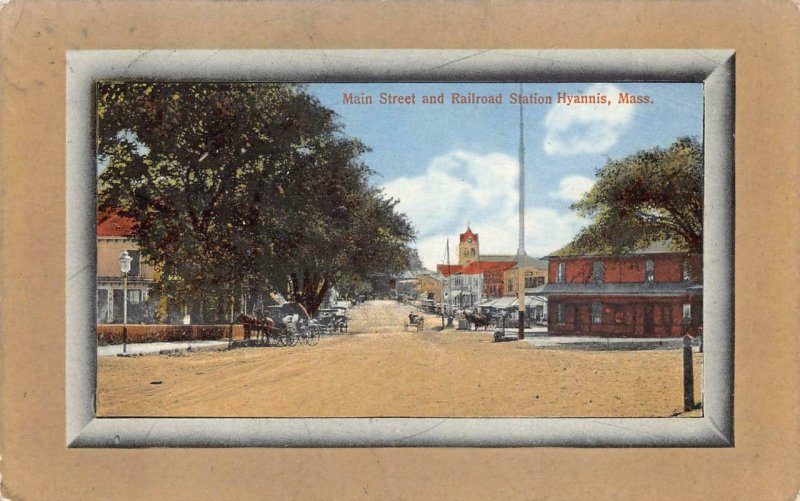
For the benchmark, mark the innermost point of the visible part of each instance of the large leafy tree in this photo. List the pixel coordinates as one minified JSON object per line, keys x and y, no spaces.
{"x":652,"y":195}
{"x":242,"y":188}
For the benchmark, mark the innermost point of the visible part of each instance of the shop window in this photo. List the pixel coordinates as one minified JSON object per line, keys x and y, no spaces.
{"x":561,"y":313}
{"x":597,"y":312}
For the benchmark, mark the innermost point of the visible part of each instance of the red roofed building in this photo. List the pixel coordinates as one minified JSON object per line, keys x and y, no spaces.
{"x":448,"y":269}
{"x":111,"y":224}
{"x":476,"y":276}
{"x":492,"y":272}
{"x":115,"y":233}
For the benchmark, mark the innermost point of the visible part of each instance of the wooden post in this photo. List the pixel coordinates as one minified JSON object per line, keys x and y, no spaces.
{"x":688,"y":374}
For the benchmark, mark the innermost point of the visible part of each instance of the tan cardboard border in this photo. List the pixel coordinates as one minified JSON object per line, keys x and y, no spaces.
{"x":36,"y":463}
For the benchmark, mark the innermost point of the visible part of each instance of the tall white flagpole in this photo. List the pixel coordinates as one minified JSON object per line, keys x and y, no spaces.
{"x":521,"y":248}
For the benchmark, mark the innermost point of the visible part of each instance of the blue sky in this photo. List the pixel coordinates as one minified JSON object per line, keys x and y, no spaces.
{"x":450,"y":164}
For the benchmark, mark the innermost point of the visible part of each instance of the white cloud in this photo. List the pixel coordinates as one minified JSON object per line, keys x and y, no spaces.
{"x":462,"y":187}
{"x":572,"y":188}
{"x":587,"y":128}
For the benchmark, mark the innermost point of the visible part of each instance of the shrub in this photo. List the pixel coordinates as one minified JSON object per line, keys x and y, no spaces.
{"x":113,"y":333}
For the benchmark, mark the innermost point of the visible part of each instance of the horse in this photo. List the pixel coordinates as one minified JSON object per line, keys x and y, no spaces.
{"x":479,"y":320}
{"x":261,"y":326}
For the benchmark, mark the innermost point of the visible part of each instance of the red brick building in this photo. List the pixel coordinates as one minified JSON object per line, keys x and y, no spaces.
{"x":656,"y":292}
{"x":492,"y":272}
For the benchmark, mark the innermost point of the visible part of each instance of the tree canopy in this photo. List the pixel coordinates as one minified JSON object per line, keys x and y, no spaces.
{"x":652,"y":195}
{"x":242,"y":188}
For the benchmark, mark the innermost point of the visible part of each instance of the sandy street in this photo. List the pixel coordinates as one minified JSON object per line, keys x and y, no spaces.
{"x":380,"y":370}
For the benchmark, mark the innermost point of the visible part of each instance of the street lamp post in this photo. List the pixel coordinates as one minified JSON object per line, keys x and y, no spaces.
{"x":125,"y":267}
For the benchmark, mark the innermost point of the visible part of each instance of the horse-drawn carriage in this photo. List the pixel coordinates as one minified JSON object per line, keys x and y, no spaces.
{"x":332,"y":319}
{"x":478,"y":320}
{"x":292,"y":324}
{"x":414,"y":321}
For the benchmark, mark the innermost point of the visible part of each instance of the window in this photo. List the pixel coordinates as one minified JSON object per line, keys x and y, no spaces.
{"x":649,"y":270}
{"x":510,"y":285}
{"x":597,"y":312}
{"x":687,"y":275}
{"x":134,"y":296}
{"x":473,"y":252}
{"x":531,"y":282}
{"x":561,"y":275}
{"x":686,"y":318}
{"x":561,"y":313}
{"x":598,"y":270}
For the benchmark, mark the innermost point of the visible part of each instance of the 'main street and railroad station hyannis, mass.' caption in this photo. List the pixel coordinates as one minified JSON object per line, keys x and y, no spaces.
{"x":563,"y":98}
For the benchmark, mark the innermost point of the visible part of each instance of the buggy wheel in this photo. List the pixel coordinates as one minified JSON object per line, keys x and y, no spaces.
{"x":312,"y":337}
{"x":283,"y":338}
{"x":292,"y":339}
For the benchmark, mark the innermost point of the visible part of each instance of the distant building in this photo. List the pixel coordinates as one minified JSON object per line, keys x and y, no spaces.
{"x":535,"y":272}
{"x":478,"y":276}
{"x":491,"y":273}
{"x":429,"y":286}
{"x":114,"y":235}
{"x":468,"y":248}
{"x":655,"y":292}
{"x":405,"y":285}
{"x":462,"y":291}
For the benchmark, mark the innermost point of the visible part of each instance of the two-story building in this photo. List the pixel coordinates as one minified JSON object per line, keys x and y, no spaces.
{"x":114,"y":235}
{"x":654,"y":292}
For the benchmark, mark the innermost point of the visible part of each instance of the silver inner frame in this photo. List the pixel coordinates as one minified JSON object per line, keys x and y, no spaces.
{"x":714,"y":68}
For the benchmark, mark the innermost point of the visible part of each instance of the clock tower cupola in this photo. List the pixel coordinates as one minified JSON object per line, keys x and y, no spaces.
{"x":468,"y":250}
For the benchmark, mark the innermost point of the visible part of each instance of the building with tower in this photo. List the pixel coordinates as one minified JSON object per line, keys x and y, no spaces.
{"x":468,"y":247}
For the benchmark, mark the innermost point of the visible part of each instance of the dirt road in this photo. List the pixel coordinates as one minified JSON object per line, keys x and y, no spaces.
{"x":380,"y":370}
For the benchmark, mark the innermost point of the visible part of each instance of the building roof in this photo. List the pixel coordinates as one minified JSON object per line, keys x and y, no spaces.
{"x":477,"y":267}
{"x":620,"y":289}
{"x":534,"y":262}
{"x":468,"y":234}
{"x":432,"y":275}
{"x":499,"y":257}
{"x":111,"y":224}
{"x":448,"y":269}
{"x":660,"y":247}
{"x":528,"y":261}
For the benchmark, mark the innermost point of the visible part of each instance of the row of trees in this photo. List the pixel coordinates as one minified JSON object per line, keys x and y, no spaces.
{"x":243,"y":189}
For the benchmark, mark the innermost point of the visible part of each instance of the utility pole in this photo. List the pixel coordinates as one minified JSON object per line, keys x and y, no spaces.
{"x":521,"y":248}
{"x":449,"y":285}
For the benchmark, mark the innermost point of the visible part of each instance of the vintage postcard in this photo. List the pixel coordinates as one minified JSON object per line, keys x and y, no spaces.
{"x":361,"y":249}
{"x":349,"y":250}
